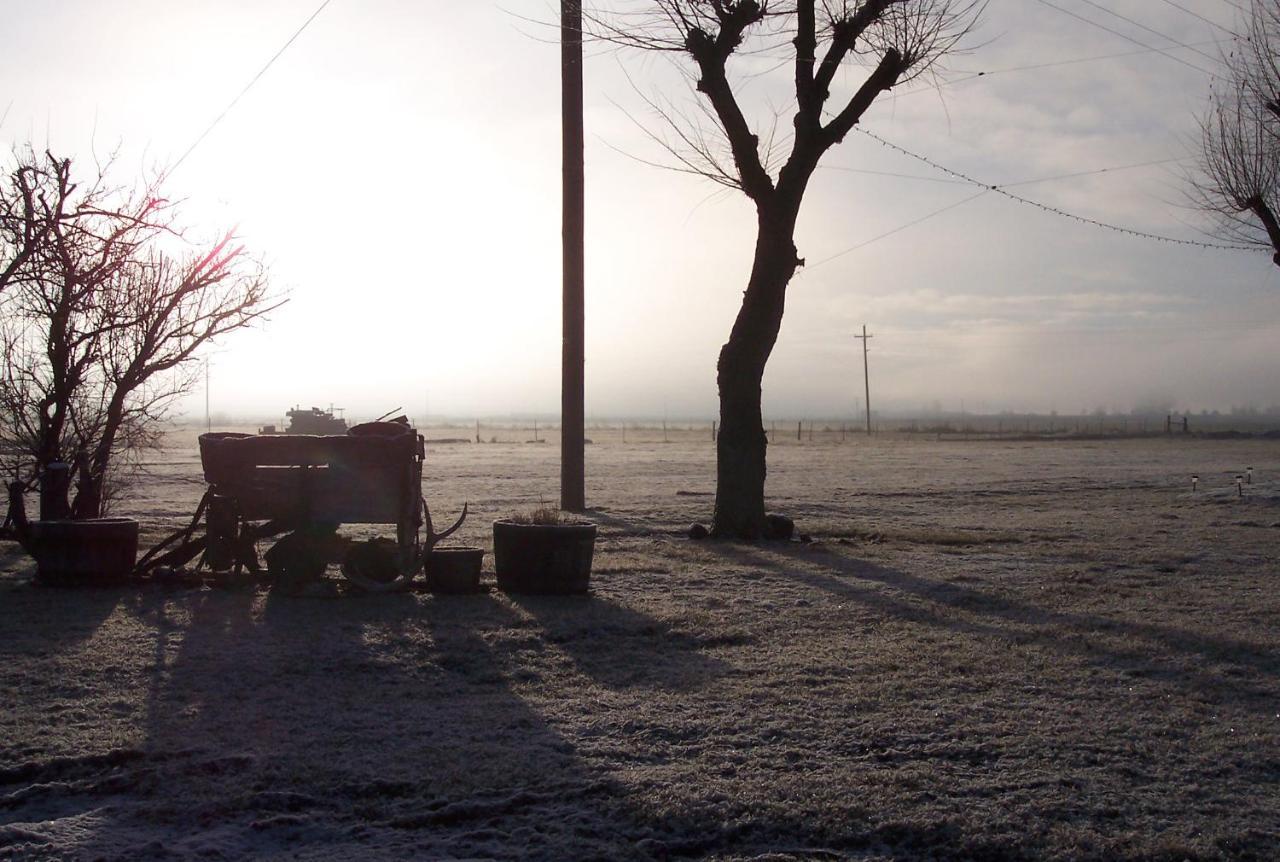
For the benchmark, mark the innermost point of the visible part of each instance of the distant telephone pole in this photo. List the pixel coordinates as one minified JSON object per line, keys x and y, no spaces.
{"x":866,"y":374}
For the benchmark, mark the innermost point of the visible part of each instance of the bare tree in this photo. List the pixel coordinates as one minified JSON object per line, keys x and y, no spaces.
{"x":104,"y":306}
{"x":1238,"y":178}
{"x":895,"y":40}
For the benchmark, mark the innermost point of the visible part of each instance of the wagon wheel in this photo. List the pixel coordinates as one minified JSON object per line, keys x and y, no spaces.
{"x":301,"y":557}
{"x":374,"y":566}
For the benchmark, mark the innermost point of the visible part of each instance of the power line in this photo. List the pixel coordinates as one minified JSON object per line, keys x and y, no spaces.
{"x":1127,"y":37}
{"x":1208,"y":21}
{"x":1073,"y":175}
{"x":1142,"y":26}
{"x":1047,"y":208}
{"x":969,"y":75}
{"x":1077,"y":60}
{"x":897,"y":229}
{"x":892,"y":174}
{"x":248,"y":87}
{"x":1092,"y":172}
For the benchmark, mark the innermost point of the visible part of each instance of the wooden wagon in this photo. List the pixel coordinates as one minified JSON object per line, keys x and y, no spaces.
{"x":305,"y":487}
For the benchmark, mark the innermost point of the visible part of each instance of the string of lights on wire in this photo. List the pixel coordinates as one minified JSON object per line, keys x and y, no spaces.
{"x":1000,"y":190}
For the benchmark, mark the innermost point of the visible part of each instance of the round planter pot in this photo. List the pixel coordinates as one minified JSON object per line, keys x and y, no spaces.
{"x":92,"y":552}
{"x":551,"y":559}
{"x":454,"y":570}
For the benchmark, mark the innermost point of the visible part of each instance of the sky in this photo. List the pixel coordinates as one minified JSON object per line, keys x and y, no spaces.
{"x":398,"y":168}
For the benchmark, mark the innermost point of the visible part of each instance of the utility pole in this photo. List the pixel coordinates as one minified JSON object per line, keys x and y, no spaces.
{"x":573,"y":355}
{"x":866,"y":374}
{"x":208,"y":421}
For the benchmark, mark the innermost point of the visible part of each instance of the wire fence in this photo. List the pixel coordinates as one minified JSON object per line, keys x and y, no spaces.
{"x":797,"y":431}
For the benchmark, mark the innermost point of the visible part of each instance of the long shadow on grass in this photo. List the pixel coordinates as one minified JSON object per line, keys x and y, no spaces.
{"x":360,"y":726}
{"x":615,"y":527}
{"x":1082,"y":634}
{"x":619,"y":647}
{"x":39,"y":620}
{"x":412,"y":727}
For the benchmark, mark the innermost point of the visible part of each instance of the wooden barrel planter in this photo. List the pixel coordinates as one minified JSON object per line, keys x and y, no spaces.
{"x":454,"y":571}
{"x":92,"y":552}
{"x":548,"y":559}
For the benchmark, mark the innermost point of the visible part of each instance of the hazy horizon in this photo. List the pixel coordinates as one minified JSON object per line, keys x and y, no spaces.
{"x":1249,"y":414}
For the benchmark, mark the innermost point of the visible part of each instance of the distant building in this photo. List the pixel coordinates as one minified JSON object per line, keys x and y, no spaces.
{"x":315,"y":421}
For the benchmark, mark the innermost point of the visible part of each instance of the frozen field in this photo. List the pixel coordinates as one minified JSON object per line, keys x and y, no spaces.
{"x":992,"y":650}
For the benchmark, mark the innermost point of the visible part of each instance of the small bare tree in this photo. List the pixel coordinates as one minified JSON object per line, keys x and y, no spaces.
{"x":1238,"y":178}
{"x":894,"y":40}
{"x":103,"y":315}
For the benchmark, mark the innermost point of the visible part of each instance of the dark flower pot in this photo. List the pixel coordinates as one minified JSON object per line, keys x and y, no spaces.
{"x":92,"y":552}
{"x":549,"y":559}
{"x":454,"y":570}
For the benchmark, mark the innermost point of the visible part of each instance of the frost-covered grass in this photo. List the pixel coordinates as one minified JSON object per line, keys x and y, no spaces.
{"x":991,"y":651}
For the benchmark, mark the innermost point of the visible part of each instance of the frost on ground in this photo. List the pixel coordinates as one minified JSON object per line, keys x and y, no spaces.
{"x":990,"y":651}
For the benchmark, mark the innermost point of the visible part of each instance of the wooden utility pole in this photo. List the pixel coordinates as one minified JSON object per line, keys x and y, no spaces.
{"x":866,"y":374}
{"x":208,"y":421}
{"x":573,"y":356}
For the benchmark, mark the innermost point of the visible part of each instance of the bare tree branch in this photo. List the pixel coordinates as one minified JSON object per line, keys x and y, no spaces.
{"x":897,"y":39}
{"x":1237,"y":179}
{"x":100,"y":323}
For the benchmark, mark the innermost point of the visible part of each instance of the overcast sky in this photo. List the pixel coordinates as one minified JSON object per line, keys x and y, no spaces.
{"x":398,"y":167}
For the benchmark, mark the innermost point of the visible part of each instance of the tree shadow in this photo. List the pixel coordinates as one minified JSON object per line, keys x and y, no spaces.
{"x":620,"y":647}
{"x":403,"y":726}
{"x":615,"y":526}
{"x":36,"y":618}
{"x":12,"y":556}
{"x":376,"y":724}
{"x":1152,"y":650}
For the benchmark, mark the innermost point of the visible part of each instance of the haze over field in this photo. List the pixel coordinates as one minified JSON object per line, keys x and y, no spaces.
{"x":399,"y":167}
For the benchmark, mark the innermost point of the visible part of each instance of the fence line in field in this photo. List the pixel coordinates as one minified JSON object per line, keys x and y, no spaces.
{"x":801,"y":431}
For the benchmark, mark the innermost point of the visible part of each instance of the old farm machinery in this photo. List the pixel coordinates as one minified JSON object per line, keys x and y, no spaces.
{"x":301,"y":488}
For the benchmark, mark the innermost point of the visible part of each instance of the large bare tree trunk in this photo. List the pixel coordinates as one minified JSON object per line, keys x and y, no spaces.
{"x":741,"y":444}
{"x":907,"y":35}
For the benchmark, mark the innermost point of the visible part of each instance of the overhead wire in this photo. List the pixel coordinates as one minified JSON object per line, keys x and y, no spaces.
{"x":1000,"y":190}
{"x":969,"y":76}
{"x":1073,"y":175}
{"x":1208,"y":21}
{"x":247,"y":87}
{"x":895,"y":174}
{"x":811,"y":266}
{"x":1162,"y":51}
{"x":1142,"y":26}
{"x":1107,"y":170}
